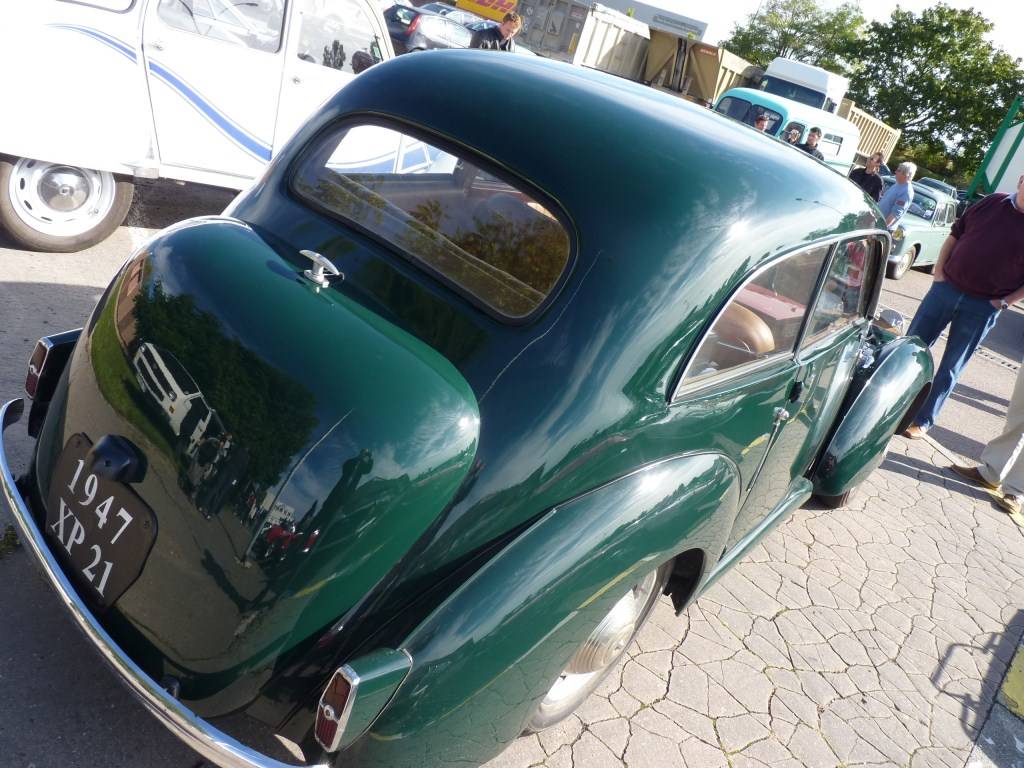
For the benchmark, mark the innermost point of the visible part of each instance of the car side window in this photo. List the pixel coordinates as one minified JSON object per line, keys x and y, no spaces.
{"x":762,"y":319}
{"x":337,"y":34}
{"x":255,"y":25}
{"x":845,"y":294}
{"x":491,"y":239}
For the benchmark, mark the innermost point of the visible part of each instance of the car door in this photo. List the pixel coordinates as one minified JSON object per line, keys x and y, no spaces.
{"x":936,"y":233}
{"x":329,"y":42}
{"x":457,"y":35}
{"x":744,"y":384}
{"x":777,"y":364}
{"x":214,"y":72}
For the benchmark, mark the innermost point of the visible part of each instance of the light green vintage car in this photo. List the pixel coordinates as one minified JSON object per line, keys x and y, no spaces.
{"x":919,"y":236}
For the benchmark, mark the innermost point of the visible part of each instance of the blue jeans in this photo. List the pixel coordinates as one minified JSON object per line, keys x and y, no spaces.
{"x":969,"y":319}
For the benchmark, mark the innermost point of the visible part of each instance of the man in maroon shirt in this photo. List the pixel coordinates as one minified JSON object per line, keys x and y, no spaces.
{"x":980,"y":272}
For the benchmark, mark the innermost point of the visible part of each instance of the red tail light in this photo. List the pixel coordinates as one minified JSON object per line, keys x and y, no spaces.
{"x":36,"y":364}
{"x":335,"y":707}
{"x":412,"y":27}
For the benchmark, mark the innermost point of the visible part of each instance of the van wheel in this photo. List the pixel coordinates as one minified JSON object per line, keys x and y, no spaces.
{"x":600,"y":652}
{"x":899,"y":269}
{"x":52,"y":207}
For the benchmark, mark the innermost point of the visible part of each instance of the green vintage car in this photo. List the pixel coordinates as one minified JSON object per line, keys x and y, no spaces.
{"x":920,"y":234}
{"x":389,"y":464}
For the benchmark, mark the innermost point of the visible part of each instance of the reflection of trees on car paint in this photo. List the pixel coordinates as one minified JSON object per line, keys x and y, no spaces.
{"x":269,"y":412}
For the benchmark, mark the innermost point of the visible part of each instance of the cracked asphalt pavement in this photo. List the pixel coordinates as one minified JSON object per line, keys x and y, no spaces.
{"x":875,"y":634}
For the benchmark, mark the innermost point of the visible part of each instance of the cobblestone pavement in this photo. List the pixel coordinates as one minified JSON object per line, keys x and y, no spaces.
{"x":875,"y":634}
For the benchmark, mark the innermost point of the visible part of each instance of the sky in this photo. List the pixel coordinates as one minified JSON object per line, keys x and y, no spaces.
{"x":1007,"y":15}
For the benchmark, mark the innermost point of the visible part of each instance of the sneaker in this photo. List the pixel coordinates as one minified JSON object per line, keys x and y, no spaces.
{"x":914,"y":432}
{"x":974,"y":475}
{"x":1009,"y":503}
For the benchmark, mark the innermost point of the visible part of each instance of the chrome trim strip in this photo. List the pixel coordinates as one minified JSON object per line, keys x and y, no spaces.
{"x":211,"y":743}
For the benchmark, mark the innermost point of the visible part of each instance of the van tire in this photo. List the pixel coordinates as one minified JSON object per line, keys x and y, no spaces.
{"x":35,"y":226}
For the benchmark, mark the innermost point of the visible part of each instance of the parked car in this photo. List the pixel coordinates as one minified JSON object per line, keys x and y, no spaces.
{"x":480,"y":407}
{"x":417,"y":29}
{"x":942,"y":186}
{"x":920,"y":234}
{"x":459,"y":16}
{"x":203,"y":92}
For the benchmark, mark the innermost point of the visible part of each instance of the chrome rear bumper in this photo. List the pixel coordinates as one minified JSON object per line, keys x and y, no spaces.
{"x":213,"y":744}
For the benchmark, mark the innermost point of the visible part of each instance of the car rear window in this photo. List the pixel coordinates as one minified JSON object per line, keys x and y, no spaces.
{"x":489,"y":238}
{"x":402,"y":14}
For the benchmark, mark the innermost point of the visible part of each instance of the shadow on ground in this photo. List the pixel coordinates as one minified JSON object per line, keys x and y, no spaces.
{"x":158,"y":204}
{"x":976,"y":705}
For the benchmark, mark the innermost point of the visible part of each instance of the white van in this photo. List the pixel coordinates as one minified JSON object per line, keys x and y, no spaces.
{"x":102,"y":92}
{"x":166,"y":381}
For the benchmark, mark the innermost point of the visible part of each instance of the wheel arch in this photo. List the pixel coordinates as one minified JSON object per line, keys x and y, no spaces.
{"x":493,"y":648}
{"x":871,"y":414}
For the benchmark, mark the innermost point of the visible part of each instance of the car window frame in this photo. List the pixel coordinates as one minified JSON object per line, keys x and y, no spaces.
{"x":681,"y":390}
{"x":807,"y":347}
{"x":462,"y":151}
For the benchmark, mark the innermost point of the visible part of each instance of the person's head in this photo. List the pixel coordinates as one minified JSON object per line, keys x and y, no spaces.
{"x":510,"y":25}
{"x":905,"y":172}
{"x":761,"y":122}
{"x":794,"y":136}
{"x":813,"y":137}
{"x":874,"y":163}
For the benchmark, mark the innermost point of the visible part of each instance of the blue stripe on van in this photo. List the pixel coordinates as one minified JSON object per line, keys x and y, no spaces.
{"x":118,"y":45}
{"x":238,"y":135}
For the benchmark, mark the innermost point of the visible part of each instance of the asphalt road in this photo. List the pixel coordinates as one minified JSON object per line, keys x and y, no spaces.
{"x":59,"y":707}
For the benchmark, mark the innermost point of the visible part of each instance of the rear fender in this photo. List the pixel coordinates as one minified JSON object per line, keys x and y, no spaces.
{"x":485,"y":657}
{"x":880,"y":402}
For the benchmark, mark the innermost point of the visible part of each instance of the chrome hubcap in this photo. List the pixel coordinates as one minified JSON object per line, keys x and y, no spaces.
{"x":63,"y":188}
{"x":598,"y":652}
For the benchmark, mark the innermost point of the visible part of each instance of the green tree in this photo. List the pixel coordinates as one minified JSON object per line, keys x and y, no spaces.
{"x":798,"y":29}
{"x":936,"y":77}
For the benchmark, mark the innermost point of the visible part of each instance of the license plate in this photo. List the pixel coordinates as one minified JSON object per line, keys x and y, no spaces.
{"x":99,"y":527}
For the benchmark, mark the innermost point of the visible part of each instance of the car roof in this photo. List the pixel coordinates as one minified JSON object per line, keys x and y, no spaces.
{"x":689,"y":182}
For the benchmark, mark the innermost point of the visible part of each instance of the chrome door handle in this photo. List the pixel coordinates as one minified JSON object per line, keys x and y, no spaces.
{"x":296,"y":79}
{"x":157,"y":45}
{"x":323,"y":269}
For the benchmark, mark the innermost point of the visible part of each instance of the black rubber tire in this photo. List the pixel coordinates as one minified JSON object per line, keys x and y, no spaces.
{"x":834,"y":502}
{"x":896,"y":271}
{"x":536,"y":724}
{"x":32,"y":240}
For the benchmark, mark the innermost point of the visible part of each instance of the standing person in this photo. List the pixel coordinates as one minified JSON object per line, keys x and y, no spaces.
{"x":1002,"y":464}
{"x":811,"y":145}
{"x":899,"y":196}
{"x":499,"y":38}
{"x":761,"y":122}
{"x":980,"y":272}
{"x":867,"y":178}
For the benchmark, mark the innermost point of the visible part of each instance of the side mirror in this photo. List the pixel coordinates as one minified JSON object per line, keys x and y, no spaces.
{"x":892,"y":321}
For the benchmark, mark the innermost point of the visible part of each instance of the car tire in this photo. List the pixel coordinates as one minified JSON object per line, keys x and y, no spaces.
{"x":60,"y":208}
{"x":834,"y":502}
{"x":899,"y":269}
{"x":600,"y":652}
